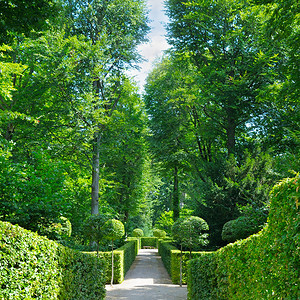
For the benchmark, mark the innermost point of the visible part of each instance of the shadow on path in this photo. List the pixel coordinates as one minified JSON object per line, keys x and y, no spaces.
{"x":147,"y":279}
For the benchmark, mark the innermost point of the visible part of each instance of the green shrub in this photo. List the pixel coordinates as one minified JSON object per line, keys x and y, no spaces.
{"x":160,"y":234}
{"x":137,"y":232}
{"x":33,"y":267}
{"x":263,"y":266}
{"x":137,"y":243}
{"x":239,"y":228}
{"x":170,"y":256}
{"x":123,"y":259}
{"x":149,"y":241}
{"x":62,"y":229}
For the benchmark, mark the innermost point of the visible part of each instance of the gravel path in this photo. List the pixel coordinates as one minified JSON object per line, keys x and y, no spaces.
{"x":147,"y":279}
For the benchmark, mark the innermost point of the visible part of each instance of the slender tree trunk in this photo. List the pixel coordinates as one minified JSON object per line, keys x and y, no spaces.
{"x":230,"y":130}
{"x":112,"y":263}
{"x":175,"y":195}
{"x":95,"y":175}
{"x":180,"y":265}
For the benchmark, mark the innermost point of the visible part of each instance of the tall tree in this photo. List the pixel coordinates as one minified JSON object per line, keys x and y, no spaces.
{"x":234,"y":63}
{"x":125,"y":23}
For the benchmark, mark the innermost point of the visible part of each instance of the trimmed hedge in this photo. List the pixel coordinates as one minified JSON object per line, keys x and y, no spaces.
{"x":33,"y":267}
{"x":170,"y":256}
{"x":263,"y":266}
{"x":149,"y":241}
{"x":123,"y":259}
{"x":138,"y":242}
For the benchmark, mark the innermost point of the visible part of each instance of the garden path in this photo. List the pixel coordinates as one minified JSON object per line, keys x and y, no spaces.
{"x":147,"y":279}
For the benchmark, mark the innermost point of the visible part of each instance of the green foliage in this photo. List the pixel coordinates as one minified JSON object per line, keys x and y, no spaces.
{"x":137,"y":241}
{"x":32,"y":193}
{"x":171,"y":257}
{"x":244,"y":226}
{"x":201,"y":277}
{"x":62,"y":229}
{"x":165,"y":222}
{"x":137,"y":232}
{"x":160,"y":234}
{"x":93,"y":227}
{"x":190,"y":233}
{"x":20,"y":17}
{"x":149,"y":241}
{"x":123,"y":259}
{"x":265,"y":265}
{"x":113,"y":229}
{"x":32,"y":266}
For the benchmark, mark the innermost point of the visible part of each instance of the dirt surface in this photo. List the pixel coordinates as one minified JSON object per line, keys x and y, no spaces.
{"x":147,"y":279}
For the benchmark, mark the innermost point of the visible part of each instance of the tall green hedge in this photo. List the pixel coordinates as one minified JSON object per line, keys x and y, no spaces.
{"x":170,"y":256}
{"x":123,"y":259}
{"x":33,"y":267}
{"x":263,"y":266}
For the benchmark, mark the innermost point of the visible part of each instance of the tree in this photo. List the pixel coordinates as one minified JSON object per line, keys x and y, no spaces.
{"x":125,"y":23}
{"x":20,"y":17}
{"x":94,"y":228}
{"x":190,"y":233}
{"x":113,"y":229}
{"x":233,"y":62}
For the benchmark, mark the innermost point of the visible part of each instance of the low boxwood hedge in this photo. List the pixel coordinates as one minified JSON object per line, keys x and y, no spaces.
{"x":138,"y":242}
{"x":33,"y":267}
{"x":123,"y":259}
{"x":170,"y":256}
{"x":149,"y":241}
{"x":263,"y":266}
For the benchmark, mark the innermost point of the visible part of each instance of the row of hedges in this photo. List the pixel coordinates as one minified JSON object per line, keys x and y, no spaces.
{"x":170,"y":256}
{"x":264,"y":266}
{"x":145,"y":241}
{"x":33,"y":267}
{"x":149,"y":241}
{"x":123,"y":259}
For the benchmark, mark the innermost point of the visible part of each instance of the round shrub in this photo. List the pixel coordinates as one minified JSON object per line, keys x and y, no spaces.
{"x":137,"y":232}
{"x":161,"y":234}
{"x":239,"y":228}
{"x":191,"y":233}
{"x":113,"y":229}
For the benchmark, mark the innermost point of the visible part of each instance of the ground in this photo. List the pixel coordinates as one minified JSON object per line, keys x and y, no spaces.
{"x":147,"y":279}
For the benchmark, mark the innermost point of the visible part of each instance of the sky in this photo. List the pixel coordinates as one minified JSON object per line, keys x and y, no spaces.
{"x":157,"y":42}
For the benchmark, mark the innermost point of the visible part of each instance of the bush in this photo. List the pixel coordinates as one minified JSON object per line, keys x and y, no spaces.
{"x":170,"y":256}
{"x":137,"y":243}
{"x":263,"y":266}
{"x":33,"y":267}
{"x":160,"y":234}
{"x":62,"y":229}
{"x":239,"y":228}
{"x":137,"y":232}
{"x":123,"y":259}
{"x":149,"y":241}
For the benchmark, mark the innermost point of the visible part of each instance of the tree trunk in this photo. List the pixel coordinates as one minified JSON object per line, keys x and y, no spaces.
{"x":112,"y":263}
{"x":180,"y":265}
{"x":95,"y":175}
{"x":230,"y":130}
{"x":175,"y":195}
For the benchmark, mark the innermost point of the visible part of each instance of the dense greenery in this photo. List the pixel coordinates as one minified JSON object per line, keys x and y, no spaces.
{"x":266,"y":265}
{"x":173,"y":258}
{"x":32,"y":266}
{"x":123,"y":259}
{"x":216,"y":128}
{"x":223,"y":119}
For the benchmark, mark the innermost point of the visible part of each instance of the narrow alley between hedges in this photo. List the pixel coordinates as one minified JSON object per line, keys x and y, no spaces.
{"x":147,"y":279}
